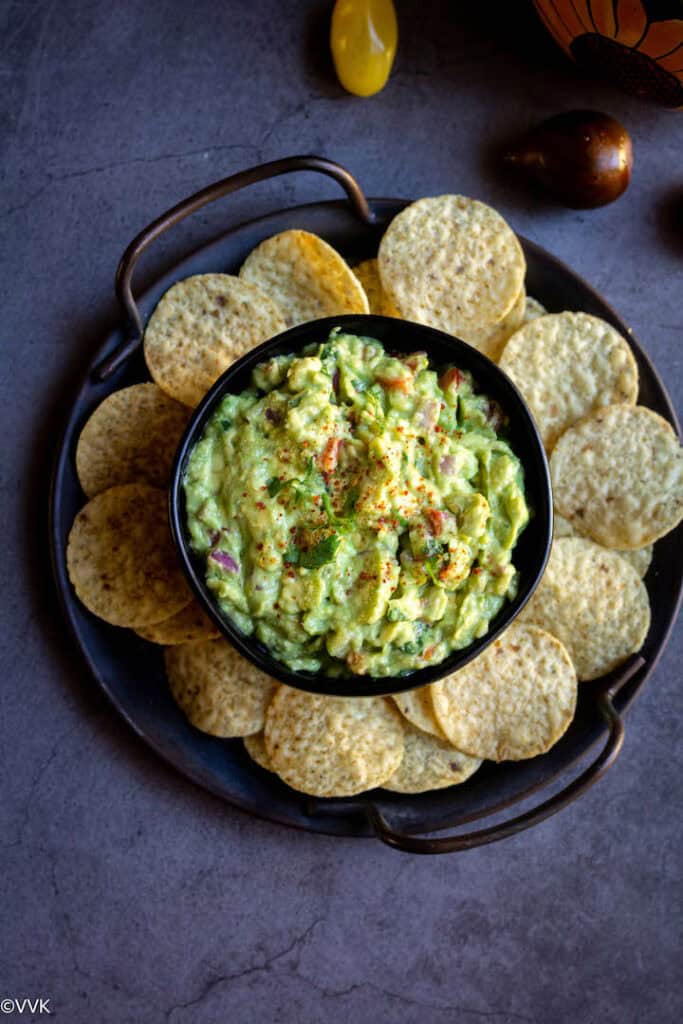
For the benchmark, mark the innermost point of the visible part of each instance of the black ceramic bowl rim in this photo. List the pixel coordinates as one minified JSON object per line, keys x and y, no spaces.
{"x":532,"y":549}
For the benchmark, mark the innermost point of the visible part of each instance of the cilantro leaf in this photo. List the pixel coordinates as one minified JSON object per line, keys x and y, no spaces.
{"x":323,"y":552}
{"x":292,"y":554}
{"x":275,"y":486}
{"x":345,"y":521}
{"x":350,"y":501}
{"x":431,"y":567}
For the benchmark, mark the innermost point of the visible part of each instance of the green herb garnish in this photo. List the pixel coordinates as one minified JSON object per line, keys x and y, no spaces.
{"x":292,"y":554}
{"x":323,"y":552}
{"x":350,"y":501}
{"x":431,"y":567}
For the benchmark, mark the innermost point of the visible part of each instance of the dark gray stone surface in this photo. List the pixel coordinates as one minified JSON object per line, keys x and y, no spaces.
{"x":127,"y":894}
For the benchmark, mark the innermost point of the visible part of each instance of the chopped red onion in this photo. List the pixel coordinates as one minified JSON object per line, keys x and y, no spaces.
{"x":225,"y":560}
{"x":429,"y":414}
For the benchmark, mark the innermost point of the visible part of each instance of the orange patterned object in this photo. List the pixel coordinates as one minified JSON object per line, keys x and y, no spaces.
{"x":634,"y":44}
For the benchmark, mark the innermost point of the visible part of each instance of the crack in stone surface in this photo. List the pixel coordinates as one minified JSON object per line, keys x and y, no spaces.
{"x":213,"y":983}
{"x":25,"y":810}
{"x":330,"y":993}
{"x":85,"y":172}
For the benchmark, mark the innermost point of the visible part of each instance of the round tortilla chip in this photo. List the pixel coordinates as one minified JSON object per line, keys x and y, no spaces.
{"x":492,"y":340}
{"x":512,"y":702}
{"x":416,"y":707}
{"x":188,"y":626}
{"x":332,"y":746}
{"x":618,"y":477}
{"x":533,"y":309}
{"x":218,"y":690}
{"x":305,"y":276}
{"x":368,"y":275}
{"x":452,"y":263}
{"x":121,"y":559}
{"x":130,"y":438}
{"x":567,"y":365}
{"x":639,"y":558}
{"x":594,"y":602}
{"x":429,"y":763}
{"x":255,"y":746}
{"x":201,"y":326}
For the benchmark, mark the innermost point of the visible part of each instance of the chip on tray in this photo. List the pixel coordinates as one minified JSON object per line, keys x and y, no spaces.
{"x":304,"y":276}
{"x":201,"y":325}
{"x":492,"y":340}
{"x":121,"y":559}
{"x":567,"y":365}
{"x":218,"y":690}
{"x":533,"y":309}
{"x":639,"y":558}
{"x":332,"y":746}
{"x":594,"y":602}
{"x":618,"y":477}
{"x":131,"y":437}
{"x":368,"y":275}
{"x":429,"y":763}
{"x":452,"y":263}
{"x":514,"y":701}
{"x":255,"y":745}
{"x":617,"y":472}
{"x":188,"y":626}
{"x":416,"y":707}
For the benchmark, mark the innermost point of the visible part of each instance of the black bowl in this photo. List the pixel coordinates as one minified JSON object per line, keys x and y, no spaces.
{"x":531,"y":552}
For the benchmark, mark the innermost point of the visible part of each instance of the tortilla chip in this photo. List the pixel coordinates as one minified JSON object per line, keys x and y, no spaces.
{"x":201,"y":326}
{"x":368,"y":275}
{"x":452,"y":263}
{"x":618,"y":477}
{"x":512,"y":702}
{"x":639,"y":558}
{"x":594,"y":602}
{"x":429,"y":763}
{"x":416,"y":707}
{"x":332,"y":746}
{"x":492,"y":340}
{"x":130,"y":438}
{"x":121,"y":559}
{"x":305,"y":276}
{"x":532,"y":310}
{"x":255,"y":746}
{"x":218,"y":690}
{"x":567,"y":365}
{"x":188,"y":626}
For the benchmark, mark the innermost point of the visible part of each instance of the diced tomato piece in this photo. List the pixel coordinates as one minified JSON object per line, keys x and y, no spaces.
{"x":436,"y":520}
{"x":428,"y":652}
{"x":415,"y":360}
{"x":357,"y":662}
{"x":396,"y":383}
{"x":451,"y":378}
{"x":330,"y":455}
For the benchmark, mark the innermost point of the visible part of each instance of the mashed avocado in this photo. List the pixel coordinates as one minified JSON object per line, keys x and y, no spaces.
{"x":357,"y":511}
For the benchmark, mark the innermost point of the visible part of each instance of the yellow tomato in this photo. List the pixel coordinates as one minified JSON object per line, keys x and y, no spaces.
{"x":363,"y":39}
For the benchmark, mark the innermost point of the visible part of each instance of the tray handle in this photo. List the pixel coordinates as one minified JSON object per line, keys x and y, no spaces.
{"x":195,"y":202}
{"x":480,"y":837}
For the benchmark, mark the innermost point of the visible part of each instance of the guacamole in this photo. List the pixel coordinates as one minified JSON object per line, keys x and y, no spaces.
{"x":357,"y":510}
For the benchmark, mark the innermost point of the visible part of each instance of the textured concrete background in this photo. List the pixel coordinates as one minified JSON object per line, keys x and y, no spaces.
{"x":127,"y":894}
